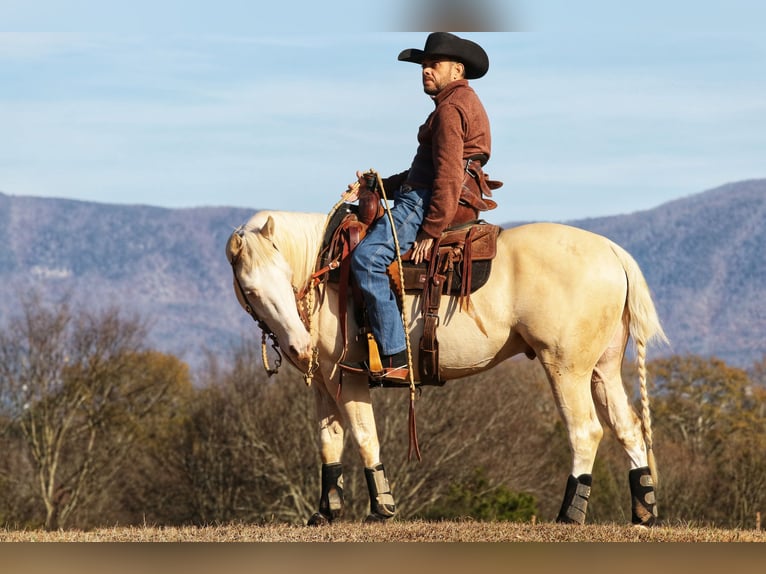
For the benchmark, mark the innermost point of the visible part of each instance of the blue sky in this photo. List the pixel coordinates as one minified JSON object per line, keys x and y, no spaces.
{"x":597,"y":107}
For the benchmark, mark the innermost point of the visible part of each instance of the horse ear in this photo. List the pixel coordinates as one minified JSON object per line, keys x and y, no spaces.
{"x":268,"y":229}
{"x":234,"y":247}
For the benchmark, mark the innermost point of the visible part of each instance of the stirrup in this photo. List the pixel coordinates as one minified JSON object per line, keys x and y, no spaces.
{"x":391,"y":374}
{"x":385,"y":373}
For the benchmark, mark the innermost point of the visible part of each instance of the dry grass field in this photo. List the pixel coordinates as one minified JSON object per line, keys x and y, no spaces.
{"x":395,"y":532}
{"x":445,"y":547}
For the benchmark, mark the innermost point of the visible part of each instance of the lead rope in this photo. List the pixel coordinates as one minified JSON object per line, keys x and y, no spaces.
{"x":308,"y":376}
{"x":405,"y":322}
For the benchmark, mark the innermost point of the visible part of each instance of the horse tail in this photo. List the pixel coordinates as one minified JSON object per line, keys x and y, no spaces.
{"x":645,"y":328}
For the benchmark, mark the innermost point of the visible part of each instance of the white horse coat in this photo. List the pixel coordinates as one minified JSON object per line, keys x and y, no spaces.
{"x":569,"y":297}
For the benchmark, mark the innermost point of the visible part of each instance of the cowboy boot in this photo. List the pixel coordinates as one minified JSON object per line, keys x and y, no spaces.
{"x":392,"y":367}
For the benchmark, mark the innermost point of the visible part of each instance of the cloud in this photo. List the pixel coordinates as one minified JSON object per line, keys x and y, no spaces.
{"x":22,"y":46}
{"x":193,"y":119}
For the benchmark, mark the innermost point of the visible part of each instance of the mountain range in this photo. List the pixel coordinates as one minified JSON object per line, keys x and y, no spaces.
{"x":702,"y":256}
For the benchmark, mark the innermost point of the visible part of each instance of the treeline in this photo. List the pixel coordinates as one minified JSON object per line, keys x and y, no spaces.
{"x":98,"y":430}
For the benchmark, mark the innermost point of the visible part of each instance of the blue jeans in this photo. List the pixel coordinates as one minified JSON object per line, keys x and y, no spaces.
{"x":372,"y":257}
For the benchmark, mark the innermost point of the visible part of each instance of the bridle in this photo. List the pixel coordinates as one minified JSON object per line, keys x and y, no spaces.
{"x":266,"y":331}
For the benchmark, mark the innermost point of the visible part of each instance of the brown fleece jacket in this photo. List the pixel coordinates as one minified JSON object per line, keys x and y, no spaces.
{"x":456,"y":130}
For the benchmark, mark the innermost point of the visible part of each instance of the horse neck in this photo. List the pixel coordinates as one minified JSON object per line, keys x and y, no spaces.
{"x":304,"y":240}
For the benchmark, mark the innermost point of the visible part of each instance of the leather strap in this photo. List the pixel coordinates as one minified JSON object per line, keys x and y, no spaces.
{"x":428,"y":359}
{"x":352,"y":232}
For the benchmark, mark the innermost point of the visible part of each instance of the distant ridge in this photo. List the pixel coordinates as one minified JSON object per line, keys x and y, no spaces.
{"x":166,"y":265}
{"x":702,"y":255}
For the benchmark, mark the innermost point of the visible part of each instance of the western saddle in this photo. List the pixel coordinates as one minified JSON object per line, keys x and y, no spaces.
{"x":459,"y":264}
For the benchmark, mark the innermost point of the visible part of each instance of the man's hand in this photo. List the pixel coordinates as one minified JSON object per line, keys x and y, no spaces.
{"x":352,"y":193}
{"x":422,"y":247}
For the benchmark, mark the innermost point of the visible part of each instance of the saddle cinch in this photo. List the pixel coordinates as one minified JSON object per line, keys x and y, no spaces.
{"x":459,"y":264}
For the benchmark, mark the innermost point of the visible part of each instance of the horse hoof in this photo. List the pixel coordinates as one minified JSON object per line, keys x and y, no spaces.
{"x":318,"y":519}
{"x":648,"y":523}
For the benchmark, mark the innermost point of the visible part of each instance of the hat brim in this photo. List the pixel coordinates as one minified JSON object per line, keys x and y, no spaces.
{"x":412,"y":55}
{"x":475,"y":65}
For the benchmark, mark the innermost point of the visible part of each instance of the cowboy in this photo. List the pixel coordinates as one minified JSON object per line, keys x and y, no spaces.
{"x":443,"y":187}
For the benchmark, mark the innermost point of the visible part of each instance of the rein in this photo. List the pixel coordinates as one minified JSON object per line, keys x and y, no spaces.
{"x":413,"y":431}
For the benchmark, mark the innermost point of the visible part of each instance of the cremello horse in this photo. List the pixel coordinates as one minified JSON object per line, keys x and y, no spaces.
{"x":569,"y":297}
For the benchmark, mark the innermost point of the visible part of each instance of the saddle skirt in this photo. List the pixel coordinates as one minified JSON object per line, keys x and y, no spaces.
{"x":463,"y":255}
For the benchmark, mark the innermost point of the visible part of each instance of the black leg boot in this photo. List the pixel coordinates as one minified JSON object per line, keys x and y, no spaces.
{"x":382,"y":505}
{"x":331,"y":500}
{"x":576,"y":496}
{"x":643,"y":501}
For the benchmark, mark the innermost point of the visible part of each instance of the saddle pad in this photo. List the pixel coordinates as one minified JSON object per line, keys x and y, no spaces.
{"x":415,"y":276}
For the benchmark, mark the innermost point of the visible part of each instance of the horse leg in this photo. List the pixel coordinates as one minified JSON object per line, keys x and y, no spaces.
{"x":382,"y":506}
{"x":615,"y":410}
{"x":357,"y":407}
{"x":331,"y":435}
{"x":573,"y":399}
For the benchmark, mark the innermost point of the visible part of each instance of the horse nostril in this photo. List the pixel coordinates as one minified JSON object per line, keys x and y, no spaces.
{"x":294,"y":350}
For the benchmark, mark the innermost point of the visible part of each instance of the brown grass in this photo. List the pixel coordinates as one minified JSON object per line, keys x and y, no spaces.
{"x":416,"y":531}
{"x":521,"y":548}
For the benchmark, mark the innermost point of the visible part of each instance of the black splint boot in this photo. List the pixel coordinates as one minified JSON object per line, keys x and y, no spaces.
{"x":382,"y":505}
{"x":643,"y":501}
{"x":575,"y":505}
{"x":331,"y":499}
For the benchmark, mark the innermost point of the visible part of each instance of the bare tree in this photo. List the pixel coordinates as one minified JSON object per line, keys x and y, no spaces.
{"x":711,"y":429}
{"x":72,"y":387}
{"x":247,"y":450}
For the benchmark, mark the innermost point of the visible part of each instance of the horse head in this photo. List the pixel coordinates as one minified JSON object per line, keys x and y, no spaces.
{"x":263,"y":283}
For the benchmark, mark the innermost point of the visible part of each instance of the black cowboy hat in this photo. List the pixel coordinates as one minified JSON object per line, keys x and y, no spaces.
{"x":470,"y":54}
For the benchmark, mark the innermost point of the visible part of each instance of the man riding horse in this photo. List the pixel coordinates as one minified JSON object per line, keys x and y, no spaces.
{"x":577,"y":299}
{"x":444,"y":186}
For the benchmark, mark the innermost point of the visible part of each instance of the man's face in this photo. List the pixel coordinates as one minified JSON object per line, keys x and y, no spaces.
{"x":438,"y":73}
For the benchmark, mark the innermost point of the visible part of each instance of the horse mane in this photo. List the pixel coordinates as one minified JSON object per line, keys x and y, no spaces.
{"x":297,"y":236}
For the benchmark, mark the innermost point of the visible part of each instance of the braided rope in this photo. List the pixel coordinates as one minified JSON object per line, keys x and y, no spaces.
{"x":405,"y":322}
{"x":309,"y":296}
{"x":405,"y":317}
{"x":313,"y":365}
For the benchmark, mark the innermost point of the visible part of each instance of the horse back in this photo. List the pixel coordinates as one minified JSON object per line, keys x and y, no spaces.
{"x":554,"y":285}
